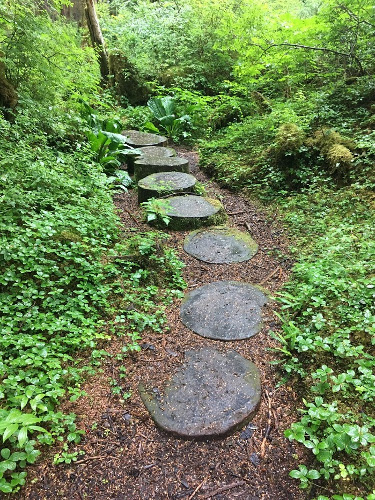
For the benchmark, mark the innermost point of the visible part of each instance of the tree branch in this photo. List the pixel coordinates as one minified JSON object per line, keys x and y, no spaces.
{"x":354,"y":16}
{"x":309,"y":47}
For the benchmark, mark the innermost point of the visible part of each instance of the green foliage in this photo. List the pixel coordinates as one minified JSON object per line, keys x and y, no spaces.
{"x":106,"y":142}
{"x":164,"y":111}
{"x":328,"y":331}
{"x":46,"y":61}
{"x":156,"y":210}
{"x":171,"y":43}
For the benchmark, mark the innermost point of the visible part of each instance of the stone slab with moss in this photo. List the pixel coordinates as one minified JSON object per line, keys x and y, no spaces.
{"x":151,"y":165}
{"x":211,"y":394}
{"x":193,"y":212}
{"x":224,"y":310}
{"x":165,"y":183}
{"x":220,"y":245}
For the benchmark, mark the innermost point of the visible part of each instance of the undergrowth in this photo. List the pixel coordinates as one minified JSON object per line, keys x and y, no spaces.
{"x":314,"y":164}
{"x":327,"y":336}
{"x":66,"y":271}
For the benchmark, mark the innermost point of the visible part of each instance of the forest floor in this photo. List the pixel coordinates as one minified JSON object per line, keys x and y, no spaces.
{"x":125,"y":455}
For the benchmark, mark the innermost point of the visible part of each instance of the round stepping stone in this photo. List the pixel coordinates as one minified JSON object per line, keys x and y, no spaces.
{"x":146,"y":165}
{"x":164,"y":183}
{"x":191,"y":211}
{"x":157,"y":152}
{"x":224,"y":310}
{"x":151,"y":152}
{"x":220,"y":245}
{"x":212,"y":394}
{"x":139,"y":139}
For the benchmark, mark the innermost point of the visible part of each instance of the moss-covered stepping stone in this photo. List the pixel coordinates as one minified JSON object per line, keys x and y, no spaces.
{"x":146,"y":165}
{"x":157,"y":152}
{"x":138,"y":139}
{"x":212,"y":394}
{"x":164,"y":183}
{"x":224,"y":310}
{"x":151,"y":152}
{"x":220,"y":245}
{"x":191,"y":212}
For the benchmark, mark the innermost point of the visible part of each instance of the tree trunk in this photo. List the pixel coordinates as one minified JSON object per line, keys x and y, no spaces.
{"x":97,"y":37}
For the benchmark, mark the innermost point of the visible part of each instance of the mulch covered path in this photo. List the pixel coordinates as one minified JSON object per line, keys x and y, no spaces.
{"x":126,"y":456}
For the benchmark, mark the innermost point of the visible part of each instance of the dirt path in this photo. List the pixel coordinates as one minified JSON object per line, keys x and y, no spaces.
{"x":127,"y":457}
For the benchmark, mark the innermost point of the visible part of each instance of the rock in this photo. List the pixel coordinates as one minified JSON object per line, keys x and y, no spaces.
{"x":220,"y":245}
{"x":211,"y":394}
{"x":151,"y":165}
{"x":191,"y":212}
{"x":139,"y":139}
{"x":224,"y":310}
{"x":164,"y":183}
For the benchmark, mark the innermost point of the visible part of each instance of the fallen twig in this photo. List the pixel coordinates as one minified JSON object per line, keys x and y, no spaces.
{"x":236,"y":213}
{"x":270,"y":275}
{"x":197,"y":488}
{"x":99,"y":457}
{"x":131,"y":215}
{"x":223,"y":488}
{"x":269,"y":425}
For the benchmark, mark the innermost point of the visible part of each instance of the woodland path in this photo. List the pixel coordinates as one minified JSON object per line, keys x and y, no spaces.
{"x":126,"y":455}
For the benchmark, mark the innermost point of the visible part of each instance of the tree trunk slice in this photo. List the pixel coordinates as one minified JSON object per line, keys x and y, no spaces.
{"x":211,"y":395}
{"x":193,"y":212}
{"x":220,"y":245}
{"x":157,"y":152}
{"x":165,"y":183}
{"x":224,"y":310}
{"x":139,"y":139}
{"x":151,"y":152}
{"x":146,"y":166}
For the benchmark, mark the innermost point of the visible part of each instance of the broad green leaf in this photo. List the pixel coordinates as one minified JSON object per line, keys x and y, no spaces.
{"x":22,"y":436}
{"x":9,"y":431}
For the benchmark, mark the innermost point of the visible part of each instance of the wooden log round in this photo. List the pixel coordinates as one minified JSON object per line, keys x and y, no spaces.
{"x":165,"y":183}
{"x":139,"y":139}
{"x":149,"y":152}
{"x":146,"y":166}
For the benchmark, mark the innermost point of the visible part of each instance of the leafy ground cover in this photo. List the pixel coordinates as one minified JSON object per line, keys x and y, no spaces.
{"x":65,"y":273}
{"x":328,"y":315}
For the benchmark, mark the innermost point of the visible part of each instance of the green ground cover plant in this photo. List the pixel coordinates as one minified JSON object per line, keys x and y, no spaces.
{"x":64,"y":269}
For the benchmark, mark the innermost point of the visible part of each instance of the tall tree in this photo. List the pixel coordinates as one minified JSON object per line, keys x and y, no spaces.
{"x":97,"y":37}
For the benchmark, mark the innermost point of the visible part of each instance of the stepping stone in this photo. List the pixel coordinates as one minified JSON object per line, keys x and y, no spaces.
{"x":191,"y":212}
{"x":164,"y":183}
{"x":224,"y":310}
{"x":157,"y":152}
{"x":146,"y":165}
{"x":212,"y":394}
{"x":220,"y":245}
{"x":151,"y":152}
{"x":138,"y":139}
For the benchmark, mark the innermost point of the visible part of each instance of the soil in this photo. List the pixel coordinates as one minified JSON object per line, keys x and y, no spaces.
{"x":126,"y":455}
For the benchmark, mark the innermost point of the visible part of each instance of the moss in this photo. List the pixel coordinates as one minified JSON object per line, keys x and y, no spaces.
{"x":325,"y":138}
{"x":289,"y":139}
{"x":339,"y":157}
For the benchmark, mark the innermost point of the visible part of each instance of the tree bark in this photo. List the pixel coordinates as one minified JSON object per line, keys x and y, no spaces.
{"x":97,"y":38}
